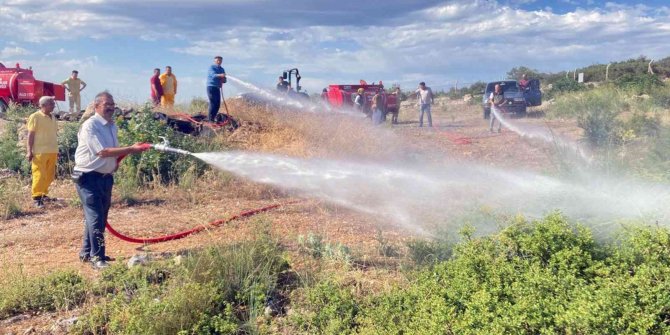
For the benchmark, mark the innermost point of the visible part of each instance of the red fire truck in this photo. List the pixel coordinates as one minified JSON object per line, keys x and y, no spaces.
{"x":19,"y":86}
{"x":342,"y":96}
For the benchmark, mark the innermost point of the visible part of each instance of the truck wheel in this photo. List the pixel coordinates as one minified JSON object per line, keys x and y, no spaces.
{"x":3,"y":108}
{"x":487,"y":113}
{"x":522,"y":112}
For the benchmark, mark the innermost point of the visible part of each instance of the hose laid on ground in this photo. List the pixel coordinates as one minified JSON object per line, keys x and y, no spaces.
{"x":152,"y":240}
{"x":179,"y":235}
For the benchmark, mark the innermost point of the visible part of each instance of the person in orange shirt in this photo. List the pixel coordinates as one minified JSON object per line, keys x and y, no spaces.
{"x":42,"y":149}
{"x":169,"y":84}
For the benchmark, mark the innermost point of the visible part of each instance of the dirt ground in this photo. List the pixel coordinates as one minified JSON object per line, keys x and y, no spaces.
{"x":39,"y":241}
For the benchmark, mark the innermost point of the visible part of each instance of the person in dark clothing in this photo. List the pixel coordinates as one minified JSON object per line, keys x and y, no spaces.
{"x":156,"y":88}
{"x":282,"y":85}
{"x":216,"y":77}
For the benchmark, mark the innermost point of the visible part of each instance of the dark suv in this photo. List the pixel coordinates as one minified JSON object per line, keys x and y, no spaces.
{"x":516,"y":99}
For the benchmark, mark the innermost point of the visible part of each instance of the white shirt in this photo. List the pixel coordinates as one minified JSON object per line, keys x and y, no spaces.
{"x":94,"y":135}
{"x":425,"y":96}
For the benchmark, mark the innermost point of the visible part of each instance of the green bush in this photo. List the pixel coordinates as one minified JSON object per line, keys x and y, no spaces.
{"x":597,"y":113}
{"x":11,"y":155}
{"x":219,"y":290}
{"x":314,"y":246}
{"x":328,"y":309}
{"x":565,"y":85}
{"x":61,"y":290}
{"x":152,"y":165}
{"x":199,"y":106}
{"x":639,"y":83}
{"x":10,"y":190}
{"x":542,"y":277}
{"x":67,"y":146}
{"x":424,"y":252}
{"x":661,"y":97}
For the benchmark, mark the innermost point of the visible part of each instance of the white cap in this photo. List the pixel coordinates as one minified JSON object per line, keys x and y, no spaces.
{"x":45,"y":99}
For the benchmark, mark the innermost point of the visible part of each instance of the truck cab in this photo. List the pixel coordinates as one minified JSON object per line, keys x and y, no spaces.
{"x":517,"y":98}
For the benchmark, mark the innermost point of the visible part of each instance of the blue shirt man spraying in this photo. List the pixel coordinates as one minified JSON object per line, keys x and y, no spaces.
{"x":216,"y":77}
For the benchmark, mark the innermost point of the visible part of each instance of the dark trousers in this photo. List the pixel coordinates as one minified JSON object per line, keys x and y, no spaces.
{"x":214,"y":95}
{"x":95,"y":193}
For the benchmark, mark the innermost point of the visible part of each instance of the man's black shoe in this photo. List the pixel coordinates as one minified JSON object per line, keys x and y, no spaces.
{"x":87,"y":258}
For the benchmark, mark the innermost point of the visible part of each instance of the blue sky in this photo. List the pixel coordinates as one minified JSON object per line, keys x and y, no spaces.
{"x":116,"y":44}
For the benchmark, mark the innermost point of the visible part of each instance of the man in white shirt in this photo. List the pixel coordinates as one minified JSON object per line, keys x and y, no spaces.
{"x":425,"y":96}
{"x":95,"y":162}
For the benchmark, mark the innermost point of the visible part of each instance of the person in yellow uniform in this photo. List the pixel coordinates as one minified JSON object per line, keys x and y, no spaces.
{"x":169,"y":84}
{"x":74,"y":86}
{"x":42,"y":149}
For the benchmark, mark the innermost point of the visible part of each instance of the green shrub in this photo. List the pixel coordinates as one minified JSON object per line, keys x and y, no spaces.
{"x":329,"y":309}
{"x":155,"y":166}
{"x":661,"y":97}
{"x":199,"y":106}
{"x":67,"y":146}
{"x":656,"y":163}
{"x":61,"y":290}
{"x":639,"y":83}
{"x":597,"y":113}
{"x":219,"y":290}
{"x":565,"y":85}
{"x":11,"y":155}
{"x":314,"y":246}
{"x":424,"y":252}
{"x":542,"y":277}
{"x":10,"y":190}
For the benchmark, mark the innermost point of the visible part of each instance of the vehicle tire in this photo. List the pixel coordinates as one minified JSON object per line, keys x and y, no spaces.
{"x":522,"y":112}
{"x":3,"y":108}
{"x":487,"y":113}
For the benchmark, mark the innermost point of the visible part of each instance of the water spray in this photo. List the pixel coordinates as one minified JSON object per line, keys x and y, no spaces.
{"x":544,"y":135}
{"x":304,"y":105}
{"x":164,"y":146}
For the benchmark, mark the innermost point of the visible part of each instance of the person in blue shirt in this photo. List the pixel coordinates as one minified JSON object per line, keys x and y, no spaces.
{"x":216,"y":76}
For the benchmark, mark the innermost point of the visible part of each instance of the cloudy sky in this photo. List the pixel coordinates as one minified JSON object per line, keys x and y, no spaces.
{"x":116,"y":43}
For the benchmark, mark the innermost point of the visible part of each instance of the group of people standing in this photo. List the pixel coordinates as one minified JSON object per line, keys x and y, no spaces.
{"x":163,"y":87}
{"x":42,"y":144}
{"x":98,"y":150}
{"x":96,"y":160}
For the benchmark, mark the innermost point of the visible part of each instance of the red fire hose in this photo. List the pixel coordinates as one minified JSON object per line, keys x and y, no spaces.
{"x":151,"y":240}
{"x":179,"y":235}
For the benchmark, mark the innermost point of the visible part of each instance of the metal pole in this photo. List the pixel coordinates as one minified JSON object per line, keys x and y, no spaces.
{"x":225,"y":106}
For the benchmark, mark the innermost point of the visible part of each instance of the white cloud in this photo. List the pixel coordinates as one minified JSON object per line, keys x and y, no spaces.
{"x":11,"y":52}
{"x":455,"y":40}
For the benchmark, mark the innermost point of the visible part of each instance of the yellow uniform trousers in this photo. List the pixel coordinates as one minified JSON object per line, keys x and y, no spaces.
{"x":75,"y":102}
{"x":167,"y":100}
{"x":44,"y":172}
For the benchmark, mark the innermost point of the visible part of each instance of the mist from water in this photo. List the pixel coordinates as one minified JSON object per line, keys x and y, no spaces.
{"x":545,"y":134}
{"x":284,"y":100}
{"x":419,"y":197}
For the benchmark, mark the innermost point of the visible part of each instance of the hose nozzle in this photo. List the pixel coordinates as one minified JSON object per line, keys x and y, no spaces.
{"x":165,"y":147}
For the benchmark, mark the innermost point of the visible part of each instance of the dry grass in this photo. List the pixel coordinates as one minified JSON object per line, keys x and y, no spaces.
{"x":310,"y":135}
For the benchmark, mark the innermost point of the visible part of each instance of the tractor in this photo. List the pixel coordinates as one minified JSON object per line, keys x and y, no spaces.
{"x":19,"y":86}
{"x":288,"y":75}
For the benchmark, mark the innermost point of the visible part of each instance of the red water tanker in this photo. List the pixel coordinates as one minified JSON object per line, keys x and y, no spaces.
{"x":19,"y":86}
{"x":342,"y":96}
